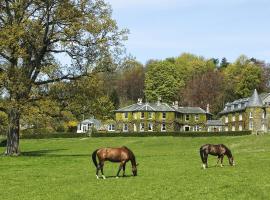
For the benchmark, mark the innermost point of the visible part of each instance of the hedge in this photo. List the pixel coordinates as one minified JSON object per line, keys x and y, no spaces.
{"x":53,"y":135}
{"x":175,"y":134}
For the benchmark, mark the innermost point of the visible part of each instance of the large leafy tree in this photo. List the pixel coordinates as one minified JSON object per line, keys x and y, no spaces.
{"x":34,"y":34}
{"x":163,"y":80}
{"x":242,"y":77}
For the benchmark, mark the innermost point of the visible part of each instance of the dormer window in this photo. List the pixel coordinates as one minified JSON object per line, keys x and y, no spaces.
{"x":239,"y":105}
{"x":142,"y":115}
{"x":250,"y":115}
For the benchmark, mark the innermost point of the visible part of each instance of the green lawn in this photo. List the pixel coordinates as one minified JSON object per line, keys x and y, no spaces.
{"x":170,"y":168}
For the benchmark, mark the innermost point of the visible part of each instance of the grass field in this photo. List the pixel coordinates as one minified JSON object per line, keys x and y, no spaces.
{"x":169,"y":168}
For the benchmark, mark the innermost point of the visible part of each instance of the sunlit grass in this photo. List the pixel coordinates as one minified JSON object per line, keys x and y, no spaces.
{"x":169,"y":168}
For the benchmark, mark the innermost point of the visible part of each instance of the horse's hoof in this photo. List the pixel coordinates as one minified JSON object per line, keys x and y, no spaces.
{"x":117,"y":177}
{"x":221,"y":165}
{"x":103,"y":177}
{"x":97,"y":177}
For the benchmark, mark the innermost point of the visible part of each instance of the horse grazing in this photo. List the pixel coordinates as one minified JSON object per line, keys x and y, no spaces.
{"x":121,"y":154}
{"x":218,"y":150}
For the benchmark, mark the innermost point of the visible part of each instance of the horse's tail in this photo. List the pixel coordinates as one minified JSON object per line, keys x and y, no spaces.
{"x":94,"y":155}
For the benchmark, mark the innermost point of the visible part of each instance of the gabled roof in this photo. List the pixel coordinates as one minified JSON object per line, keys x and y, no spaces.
{"x":153,"y":107}
{"x":255,"y":100}
{"x":191,"y":110}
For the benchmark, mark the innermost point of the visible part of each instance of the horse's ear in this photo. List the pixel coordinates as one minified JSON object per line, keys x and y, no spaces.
{"x":137,"y":164}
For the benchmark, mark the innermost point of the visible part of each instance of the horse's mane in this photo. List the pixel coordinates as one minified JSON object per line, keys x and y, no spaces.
{"x":228,"y":151}
{"x":131,"y":154}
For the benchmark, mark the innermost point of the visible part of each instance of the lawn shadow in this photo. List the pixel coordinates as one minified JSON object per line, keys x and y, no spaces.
{"x":114,"y":177}
{"x":50,"y":153}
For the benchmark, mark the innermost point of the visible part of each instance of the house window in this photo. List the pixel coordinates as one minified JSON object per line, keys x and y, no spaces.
{"x":226,"y":128}
{"x":150,"y":115}
{"x":250,"y":115}
{"x":111,"y":127}
{"x":142,"y":115}
{"x":240,"y":128}
{"x":196,"y":128}
{"x":239,"y":106}
{"x":163,"y":127}
{"x":125,"y":127}
{"x":135,"y":127}
{"x":186,"y":128}
{"x":125,"y":115}
{"x":163,"y":115}
{"x":250,"y":125}
{"x":150,"y":127}
{"x":196,"y":117}
{"x":89,"y":126}
{"x":233,"y":128}
{"x":226,"y":119}
{"x":240,"y":117}
{"x":141,"y":127}
{"x":263,"y":127}
{"x":187,"y":117}
{"x":263,"y":115}
{"x":233,"y":118}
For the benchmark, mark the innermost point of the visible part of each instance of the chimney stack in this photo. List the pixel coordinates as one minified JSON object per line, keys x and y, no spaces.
{"x":176,"y":104}
{"x":159,"y":100}
{"x":139,"y":101}
{"x":207,"y":108}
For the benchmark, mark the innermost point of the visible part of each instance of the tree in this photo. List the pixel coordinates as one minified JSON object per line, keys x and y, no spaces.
{"x":115,"y":99}
{"x":34,"y":34}
{"x":241,"y":78}
{"x":224,"y":63}
{"x":130,"y":84}
{"x":163,"y":80}
{"x":207,"y":88}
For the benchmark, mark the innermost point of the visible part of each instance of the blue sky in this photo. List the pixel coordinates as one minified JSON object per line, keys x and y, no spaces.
{"x":209,"y":28}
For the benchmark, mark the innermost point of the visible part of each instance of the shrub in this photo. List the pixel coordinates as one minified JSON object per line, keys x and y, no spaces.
{"x":175,"y":134}
{"x":53,"y":135}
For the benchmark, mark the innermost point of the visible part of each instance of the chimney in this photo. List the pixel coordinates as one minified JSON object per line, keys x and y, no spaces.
{"x":159,"y":100}
{"x":207,"y":108}
{"x":175,"y":104}
{"x":139,"y":101}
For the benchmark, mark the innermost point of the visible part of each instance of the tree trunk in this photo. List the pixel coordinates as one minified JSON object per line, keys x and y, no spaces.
{"x":13,"y":132}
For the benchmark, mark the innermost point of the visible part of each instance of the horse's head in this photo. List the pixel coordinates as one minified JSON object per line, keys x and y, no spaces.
{"x":231,"y":161}
{"x":134,"y":169}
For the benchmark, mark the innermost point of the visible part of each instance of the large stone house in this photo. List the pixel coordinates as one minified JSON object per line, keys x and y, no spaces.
{"x":159,"y":117}
{"x":247,"y":114}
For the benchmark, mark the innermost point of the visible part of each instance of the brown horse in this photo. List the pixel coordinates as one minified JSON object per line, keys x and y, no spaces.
{"x":218,"y":150}
{"x":122,"y":155}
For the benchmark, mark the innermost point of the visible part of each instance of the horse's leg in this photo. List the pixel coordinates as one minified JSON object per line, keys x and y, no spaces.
{"x":218,"y":160}
{"x":120,"y":167}
{"x":221,"y":161}
{"x":204,"y":160}
{"x":124,"y":169}
{"x":97,"y":171}
{"x":101,"y":169}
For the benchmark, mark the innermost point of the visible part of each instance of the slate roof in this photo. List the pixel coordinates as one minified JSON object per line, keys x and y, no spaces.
{"x":96,"y":122}
{"x":254,"y":101}
{"x":161,"y":107}
{"x":214,"y":123}
{"x":153,"y":107}
{"x":191,"y":110}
